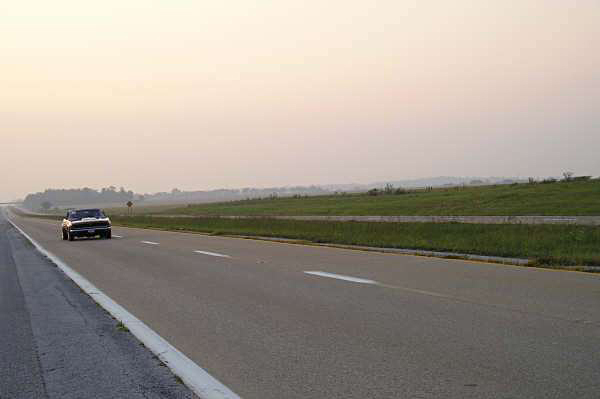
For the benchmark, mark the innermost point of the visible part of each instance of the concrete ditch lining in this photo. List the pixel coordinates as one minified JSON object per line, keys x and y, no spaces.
{"x":573,"y":220}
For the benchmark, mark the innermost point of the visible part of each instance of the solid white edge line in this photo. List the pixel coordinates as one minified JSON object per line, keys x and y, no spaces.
{"x":342,"y":277}
{"x":149,"y":242}
{"x":212,"y":254}
{"x":196,"y":378}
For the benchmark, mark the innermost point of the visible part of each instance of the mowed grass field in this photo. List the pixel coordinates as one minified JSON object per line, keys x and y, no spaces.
{"x":140,"y":209}
{"x":545,"y":245}
{"x":578,"y":198}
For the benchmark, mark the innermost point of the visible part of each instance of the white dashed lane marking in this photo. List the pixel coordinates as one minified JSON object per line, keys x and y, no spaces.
{"x":342,"y":277}
{"x":149,"y":242}
{"x":212,"y":254}
{"x":116,"y":236}
{"x":373,"y":282}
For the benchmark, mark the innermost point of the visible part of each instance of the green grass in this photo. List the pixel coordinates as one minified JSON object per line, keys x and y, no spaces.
{"x":561,"y":198}
{"x":547,"y":245}
{"x":140,"y":209}
{"x":122,"y":327}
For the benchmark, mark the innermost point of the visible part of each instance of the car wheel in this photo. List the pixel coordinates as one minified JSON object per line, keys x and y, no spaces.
{"x":71,"y":237}
{"x":108,"y":235}
{"x":64,"y":234}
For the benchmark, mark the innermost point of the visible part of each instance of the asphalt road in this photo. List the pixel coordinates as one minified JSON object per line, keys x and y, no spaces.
{"x":55,"y":343}
{"x":409,"y":327}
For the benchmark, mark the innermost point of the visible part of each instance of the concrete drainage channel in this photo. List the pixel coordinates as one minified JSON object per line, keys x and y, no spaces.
{"x":576,"y":220}
{"x":445,"y":255}
{"x":197,"y":379}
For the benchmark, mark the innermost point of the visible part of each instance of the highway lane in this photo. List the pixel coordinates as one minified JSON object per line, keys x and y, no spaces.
{"x":247,"y":312}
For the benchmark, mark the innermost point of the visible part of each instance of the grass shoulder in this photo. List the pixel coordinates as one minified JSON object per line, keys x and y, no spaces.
{"x":545,"y":245}
{"x":578,"y":198}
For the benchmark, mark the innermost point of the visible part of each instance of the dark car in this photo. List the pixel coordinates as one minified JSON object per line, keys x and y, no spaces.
{"x":86,"y":223}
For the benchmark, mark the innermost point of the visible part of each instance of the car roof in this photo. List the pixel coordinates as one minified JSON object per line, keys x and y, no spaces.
{"x":83,"y":210}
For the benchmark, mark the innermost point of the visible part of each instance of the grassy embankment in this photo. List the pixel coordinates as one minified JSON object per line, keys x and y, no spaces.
{"x":561,"y":198}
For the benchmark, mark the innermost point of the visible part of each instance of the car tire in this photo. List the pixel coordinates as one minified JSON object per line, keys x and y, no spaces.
{"x":64,"y":235}
{"x":71,"y":237}
{"x":108,"y":235}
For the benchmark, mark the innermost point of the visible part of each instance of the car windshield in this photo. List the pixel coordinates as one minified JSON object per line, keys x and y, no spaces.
{"x":86,"y":213}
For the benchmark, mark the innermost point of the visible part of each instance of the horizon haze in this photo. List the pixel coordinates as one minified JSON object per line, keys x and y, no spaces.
{"x":199,"y":96}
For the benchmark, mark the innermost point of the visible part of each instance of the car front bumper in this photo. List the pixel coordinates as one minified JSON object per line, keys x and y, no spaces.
{"x":89,"y":231}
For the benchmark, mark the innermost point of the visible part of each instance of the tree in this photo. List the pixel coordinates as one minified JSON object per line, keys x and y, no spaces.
{"x":46,"y":205}
{"x":129,"y":205}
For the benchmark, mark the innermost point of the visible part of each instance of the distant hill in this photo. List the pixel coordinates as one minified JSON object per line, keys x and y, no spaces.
{"x":180,"y":197}
{"x":427,"y":182}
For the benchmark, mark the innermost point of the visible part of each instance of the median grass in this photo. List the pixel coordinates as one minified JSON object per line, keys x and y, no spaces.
{"x":545,"y":245}
{"x":577,"y":198}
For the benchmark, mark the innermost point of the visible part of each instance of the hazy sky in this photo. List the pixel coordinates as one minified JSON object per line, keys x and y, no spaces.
{"x":153,"y":95}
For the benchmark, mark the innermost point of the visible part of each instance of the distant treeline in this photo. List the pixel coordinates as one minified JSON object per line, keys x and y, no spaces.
{"x":53,"y":198}
{"x":177,"y":196}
